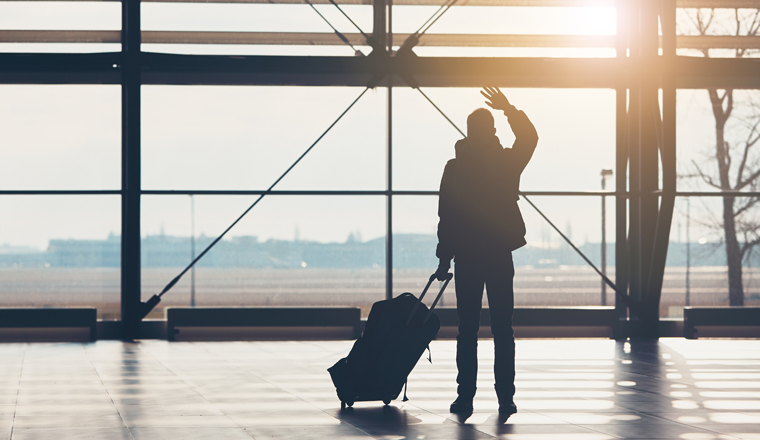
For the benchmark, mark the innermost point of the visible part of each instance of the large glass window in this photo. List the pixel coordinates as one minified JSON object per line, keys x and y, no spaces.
{"x":423,"y":140}
{"x":697,"y":267}
{"x":61,"y":251}
{"x":329,"y":249}
{"x":467,"y":30}
{"x":717,"y":32}
{"x":246,"y":137}
{"x":288,"y":251}
{"x":60,"y":137}
{"x":254,"y":29}
{"x":60,"y":26}
{"x":717,"y":152}
{"x":548,"y":272}
{"x":701,"y":129}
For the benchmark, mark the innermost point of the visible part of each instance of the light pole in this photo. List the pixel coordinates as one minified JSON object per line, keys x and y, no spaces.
{"x":192,"y":250}
{"x":605,"y":173}
{"x":688,"y":250}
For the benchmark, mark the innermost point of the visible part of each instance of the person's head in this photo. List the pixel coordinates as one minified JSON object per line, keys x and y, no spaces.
{"x":480,"y":124}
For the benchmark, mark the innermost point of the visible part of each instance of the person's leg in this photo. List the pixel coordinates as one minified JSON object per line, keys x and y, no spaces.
{"x":469,"y":291}
{"x":499,"y":285}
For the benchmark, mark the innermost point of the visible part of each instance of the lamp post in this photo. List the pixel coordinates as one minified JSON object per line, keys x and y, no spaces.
{"x":605,"y":173}
{"x":688,"y":252}
{"x":192,"y":250}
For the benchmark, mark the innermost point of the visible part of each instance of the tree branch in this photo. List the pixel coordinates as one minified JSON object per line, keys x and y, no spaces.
{"x":747,"y":146}
{"x":755,"y":26}
{"x":738,"y":22}
{"x":717,"y":106}
{"x":705,"y":177}
{"x":750,"y":203}
{"x":739,"y":51}
{"x":749,"y":180}
{"x":727,"y":151}
{"x":749,"y":245}
{"x":709,"y":22}
{"x":693,"y":20}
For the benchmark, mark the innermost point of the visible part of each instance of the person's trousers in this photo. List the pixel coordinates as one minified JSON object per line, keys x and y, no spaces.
{"x":497,"y":275}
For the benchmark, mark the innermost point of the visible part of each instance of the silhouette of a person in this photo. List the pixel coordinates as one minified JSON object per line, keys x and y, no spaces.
{"x":480,"y":225}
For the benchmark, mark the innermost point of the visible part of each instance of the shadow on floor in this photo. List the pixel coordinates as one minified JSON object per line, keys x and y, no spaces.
{"x":411,"y":425}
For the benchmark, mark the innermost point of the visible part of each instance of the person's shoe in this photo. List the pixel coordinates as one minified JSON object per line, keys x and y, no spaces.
{"x":507,"y":409}
{"x":462,"y":405}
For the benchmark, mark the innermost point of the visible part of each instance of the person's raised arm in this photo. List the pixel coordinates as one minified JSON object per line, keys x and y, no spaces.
{"x":526,"y":137}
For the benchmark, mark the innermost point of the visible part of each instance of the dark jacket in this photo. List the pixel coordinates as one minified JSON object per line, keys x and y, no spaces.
{"x":477,"y":206}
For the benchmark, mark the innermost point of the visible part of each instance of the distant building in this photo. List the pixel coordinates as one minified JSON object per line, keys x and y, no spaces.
{"x":410,"y":251}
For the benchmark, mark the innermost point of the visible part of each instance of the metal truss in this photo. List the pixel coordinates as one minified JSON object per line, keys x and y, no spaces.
{"x":170,"y":69}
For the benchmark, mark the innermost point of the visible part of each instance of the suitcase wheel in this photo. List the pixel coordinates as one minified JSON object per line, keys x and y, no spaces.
{"x":387,"y":401}
{"x":344,"y":404}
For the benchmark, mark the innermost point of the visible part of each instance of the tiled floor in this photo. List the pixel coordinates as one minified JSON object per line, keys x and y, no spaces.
{"x":567,"y":389}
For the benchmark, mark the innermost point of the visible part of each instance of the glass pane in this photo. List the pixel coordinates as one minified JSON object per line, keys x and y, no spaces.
{"x":246,"y":137}
{"x":60,"y":137}
{"x":483,"y":23}
{"x":288,"y":251}
{"x":571,"y":123}
{"x":548,"y":271}
{"x":739,"y":23}
{"x":256,"y":18}
{"x":465,"y":19}
{"x":698,"y":166}
{"x":60,"y":15}
{"x":697,"y":257}
{"x":61,"y":251}
{"x":58,"y":47}
{"x":103,"y":17}
{"x":415,"y":223}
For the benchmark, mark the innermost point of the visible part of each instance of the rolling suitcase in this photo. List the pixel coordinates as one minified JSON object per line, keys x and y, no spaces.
{"x":397,"y":333}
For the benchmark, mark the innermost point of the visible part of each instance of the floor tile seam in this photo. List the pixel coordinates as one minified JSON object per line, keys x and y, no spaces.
{"x":589,"y":427}
{"x":262,"y":378}
{"x":472,"y":427}
{"x":694,"y":427}
{"x":108,"y":393}
{"x":657,"y":416}
{"x":174,"y":373}
{"x":191,"y":386}
{"x":650,"y":376}
{"x":18,"y":391}
{"x":639,"y":413}
{"x":296,"y":396}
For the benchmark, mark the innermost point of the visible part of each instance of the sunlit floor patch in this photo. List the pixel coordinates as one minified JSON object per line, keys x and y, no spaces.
{"x":730,"y":417}
{"x":733,"y":404}
{"x":566,"y":404}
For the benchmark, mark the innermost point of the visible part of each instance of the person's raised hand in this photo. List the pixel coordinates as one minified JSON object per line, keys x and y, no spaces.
{"x":496,"y":99}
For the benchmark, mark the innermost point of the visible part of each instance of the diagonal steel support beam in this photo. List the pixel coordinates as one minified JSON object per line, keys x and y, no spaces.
{"x":146,"y":307}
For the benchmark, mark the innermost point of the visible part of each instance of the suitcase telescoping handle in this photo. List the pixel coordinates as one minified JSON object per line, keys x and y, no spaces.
{"x":449,"y":276}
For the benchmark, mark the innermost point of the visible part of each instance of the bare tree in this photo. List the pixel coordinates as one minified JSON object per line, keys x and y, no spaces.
{"x":734,"y":164}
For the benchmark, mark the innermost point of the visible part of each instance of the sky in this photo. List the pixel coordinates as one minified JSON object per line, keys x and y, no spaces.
{"x":68,"y":137}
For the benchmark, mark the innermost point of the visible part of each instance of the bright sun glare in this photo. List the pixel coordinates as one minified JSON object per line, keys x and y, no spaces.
{"x":597,"y":21}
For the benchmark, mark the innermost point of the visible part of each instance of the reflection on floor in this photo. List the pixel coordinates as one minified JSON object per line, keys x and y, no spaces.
{"x":567,"y":389}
